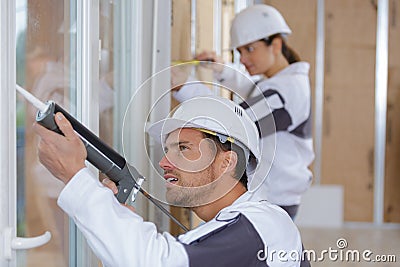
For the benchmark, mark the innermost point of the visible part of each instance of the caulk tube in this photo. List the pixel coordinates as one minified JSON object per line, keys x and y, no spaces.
{"x":103,"y":157}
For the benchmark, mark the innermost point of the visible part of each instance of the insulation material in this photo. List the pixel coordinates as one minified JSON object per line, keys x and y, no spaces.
{"x":392,"y":170}
{"x":348,"y":122}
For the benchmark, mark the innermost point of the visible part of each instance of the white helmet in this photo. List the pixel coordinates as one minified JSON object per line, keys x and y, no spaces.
{"x":221,"y":116}
{"x":255,"y":23}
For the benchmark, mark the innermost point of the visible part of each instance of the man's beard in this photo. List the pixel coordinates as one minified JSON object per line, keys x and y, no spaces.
{"x":193,"y":195}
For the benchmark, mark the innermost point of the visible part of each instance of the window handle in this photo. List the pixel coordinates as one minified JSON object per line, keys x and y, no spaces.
{"x":16,"y":243}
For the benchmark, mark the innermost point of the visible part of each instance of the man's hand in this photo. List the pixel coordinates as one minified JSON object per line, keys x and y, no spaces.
{"x":111,"y":185}
{"x":64,"y":155}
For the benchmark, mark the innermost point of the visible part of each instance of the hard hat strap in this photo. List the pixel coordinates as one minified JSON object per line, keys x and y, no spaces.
{"x":223,"y":138}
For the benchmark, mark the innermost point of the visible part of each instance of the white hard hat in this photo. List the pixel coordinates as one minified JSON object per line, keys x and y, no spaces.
{"x":216,"y":114}
{"x":255,"y":23}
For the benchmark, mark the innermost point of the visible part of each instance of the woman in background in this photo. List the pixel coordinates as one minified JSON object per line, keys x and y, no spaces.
{"x":278,"y":91}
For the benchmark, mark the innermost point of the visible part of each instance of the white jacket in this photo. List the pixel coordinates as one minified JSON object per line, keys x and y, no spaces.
{"x":238,"y":236}
{"x":284,"y":174}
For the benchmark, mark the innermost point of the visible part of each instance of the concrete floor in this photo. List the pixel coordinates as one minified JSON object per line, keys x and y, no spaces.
{"x":357,"y":239}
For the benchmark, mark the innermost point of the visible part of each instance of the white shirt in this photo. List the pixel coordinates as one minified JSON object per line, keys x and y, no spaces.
{"x":120,"y":237}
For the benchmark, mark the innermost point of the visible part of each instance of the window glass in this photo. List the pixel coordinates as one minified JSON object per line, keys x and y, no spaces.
{"x":106,"y":72}
{"x":44,"y":58}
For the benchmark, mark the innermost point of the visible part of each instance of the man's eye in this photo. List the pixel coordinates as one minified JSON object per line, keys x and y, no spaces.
{"x":183,"y":148}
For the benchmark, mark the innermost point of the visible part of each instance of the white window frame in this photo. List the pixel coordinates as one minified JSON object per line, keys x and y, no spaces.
{"x":87,"y":105}
{"x":8,"y":169}
{"x":152,"y":19}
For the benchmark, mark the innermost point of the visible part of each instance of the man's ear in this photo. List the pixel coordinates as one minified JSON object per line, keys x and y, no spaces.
{"x":229,"y":161}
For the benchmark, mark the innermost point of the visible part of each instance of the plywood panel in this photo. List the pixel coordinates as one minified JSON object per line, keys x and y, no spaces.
{"x":301,"y":16}
{"x":392,"y":181}
{"x":180,"y":30}
{"x":348,"y":127}
{"x":205,"y":26}
{"x":228,"y":13}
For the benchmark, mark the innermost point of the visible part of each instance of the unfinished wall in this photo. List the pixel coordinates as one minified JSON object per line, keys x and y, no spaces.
{"x":348,"y":119}
{"x":180,"y":30}
{"x":349,"y":95}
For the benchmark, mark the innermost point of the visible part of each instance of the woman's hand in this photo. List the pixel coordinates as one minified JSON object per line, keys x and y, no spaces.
{"x":211,"y":56}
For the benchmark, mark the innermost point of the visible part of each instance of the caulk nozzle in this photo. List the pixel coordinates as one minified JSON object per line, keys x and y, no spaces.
{"x":31,"y":98}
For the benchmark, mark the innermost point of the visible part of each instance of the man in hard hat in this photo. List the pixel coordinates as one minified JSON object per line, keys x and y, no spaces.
{"x":211,"y":149}
{"x":277,"y":87}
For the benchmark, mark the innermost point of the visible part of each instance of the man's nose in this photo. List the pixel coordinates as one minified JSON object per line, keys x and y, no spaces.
{"x":165,"y":164}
